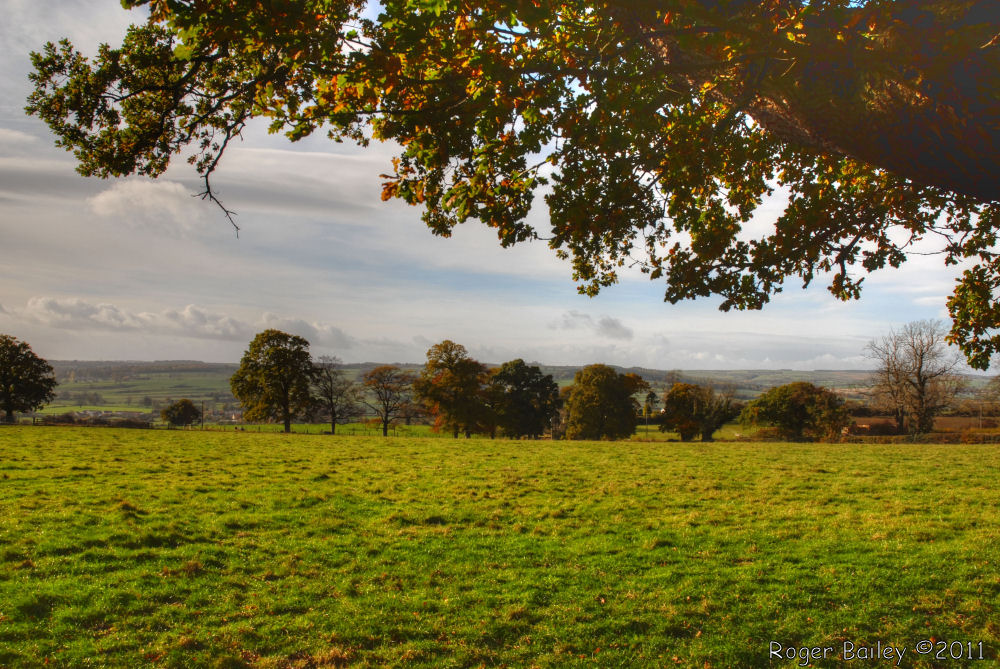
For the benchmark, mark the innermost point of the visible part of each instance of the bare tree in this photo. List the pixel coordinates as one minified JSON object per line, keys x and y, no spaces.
{"x":336,"y":396}
{"x":888,"y":387}
{"x":390,"y":390}
{"x":915,"y":378}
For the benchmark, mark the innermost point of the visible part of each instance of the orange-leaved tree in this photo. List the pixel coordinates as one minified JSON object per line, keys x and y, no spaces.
{"x":451,"y":385}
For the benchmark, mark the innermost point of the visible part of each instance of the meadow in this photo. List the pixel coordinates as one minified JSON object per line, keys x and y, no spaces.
{"x":242,"y":549}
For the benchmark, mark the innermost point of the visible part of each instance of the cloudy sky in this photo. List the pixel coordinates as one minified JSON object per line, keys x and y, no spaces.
{"x":140,"y":269}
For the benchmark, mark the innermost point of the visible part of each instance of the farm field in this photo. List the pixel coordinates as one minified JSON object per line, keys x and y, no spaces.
{"x":126,"y":386}
{"x":232,"y":549}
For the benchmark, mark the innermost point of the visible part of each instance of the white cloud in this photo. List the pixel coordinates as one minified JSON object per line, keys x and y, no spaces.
{"x":191,"y":321}
{"x":161,"y":205}
{"x":574,"y":320}
{"x":10,"y":137}
{"x":316,"y":333}
{"x":78,"y":314}
{"x":610,"y":328}
{"x":195,"y":322}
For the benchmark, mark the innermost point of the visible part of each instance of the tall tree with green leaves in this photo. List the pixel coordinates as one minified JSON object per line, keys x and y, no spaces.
{"x":272,"y":382}
{"x":526,"y":400}
{"x":450,"y":385}
{"x":600,"y":404}
{"x":659,"y":127}
{"x":692,"y":410}
{"x":799,"y":411}
{"x":27,"y":382}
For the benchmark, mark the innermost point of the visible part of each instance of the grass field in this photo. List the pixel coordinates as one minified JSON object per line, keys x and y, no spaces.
{"x":642,"y":432}
{"x":179,"y":548}
{"x":210,"y":386}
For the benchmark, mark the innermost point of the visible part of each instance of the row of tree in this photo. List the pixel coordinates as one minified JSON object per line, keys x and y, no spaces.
{"x":278,"y":380}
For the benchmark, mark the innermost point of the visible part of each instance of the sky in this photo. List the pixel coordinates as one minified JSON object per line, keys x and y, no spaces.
{"x":138,"y":269}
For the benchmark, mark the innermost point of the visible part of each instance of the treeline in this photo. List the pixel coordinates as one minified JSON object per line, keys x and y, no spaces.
{"x":279,"y":381}
{"x":916,"y":380}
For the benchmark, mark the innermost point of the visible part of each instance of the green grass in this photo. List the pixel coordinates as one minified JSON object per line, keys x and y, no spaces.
{"x":348,"y":429}
{"x":728,"y":432}
{"x":127,"y":394}
{"x":225,"y":549}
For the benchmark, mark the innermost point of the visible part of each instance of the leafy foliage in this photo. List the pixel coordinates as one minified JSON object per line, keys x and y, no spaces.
{"x":599,"y":404}
{"x":272,"y":382}
{"x":181,"y":412}
{"x":450,"y":385}
{"x":692,"y":410}
{"x":525,"y":401}
{"x":27,"y":382}
{"x":655,"y":128}
{"x":799,"y":410}
{"x":680,"y":408}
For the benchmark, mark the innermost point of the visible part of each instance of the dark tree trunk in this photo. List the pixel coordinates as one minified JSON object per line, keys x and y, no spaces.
{"x":10,"y":416}
{"x":385,"y":428}
{"x":288,"y":423}
{"x":333,"y":426}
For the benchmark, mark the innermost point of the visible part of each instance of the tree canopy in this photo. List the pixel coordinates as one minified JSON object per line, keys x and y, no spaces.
{"x":272,"y":381}
{"x":798,"y":410}
{"x":525,"y":400}
{"x":27,"y":382}
{"x":599,"y":404}
{"x":690,"y":410}
{"x":180,"y":413}
{"x":449,"y":385}
{"x":656,"y":129}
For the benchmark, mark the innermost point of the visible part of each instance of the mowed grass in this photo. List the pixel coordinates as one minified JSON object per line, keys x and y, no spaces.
{"x":179,"y":549}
